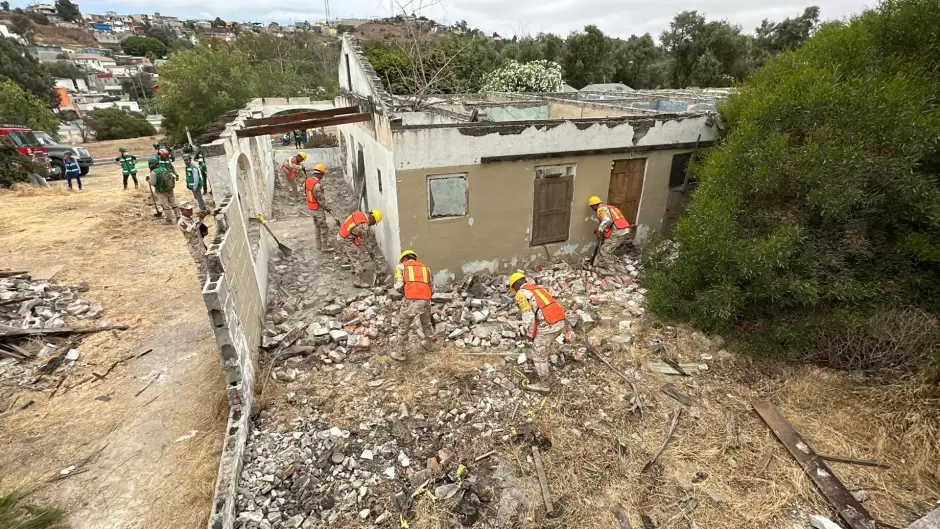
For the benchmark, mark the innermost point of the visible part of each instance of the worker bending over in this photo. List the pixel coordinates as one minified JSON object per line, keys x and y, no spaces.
{"x":611,"y":232}
{"x":289,"y":169}
{"x":413,"y":279}
{"x":353,"y":232}
{"x":316,"y":203}
{"x":543,"y":319}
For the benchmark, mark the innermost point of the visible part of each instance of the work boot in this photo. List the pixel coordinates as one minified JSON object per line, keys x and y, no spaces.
{"x":432,"y":346}
{"x":538,"y":387}
{"x":399,"y":356}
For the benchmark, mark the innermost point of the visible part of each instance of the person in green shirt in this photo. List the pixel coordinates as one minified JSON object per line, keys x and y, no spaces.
{"x":194,"y":180}
{"x":201,"y":160}
{"x":163,"y":182}
{"x":128,"y":164}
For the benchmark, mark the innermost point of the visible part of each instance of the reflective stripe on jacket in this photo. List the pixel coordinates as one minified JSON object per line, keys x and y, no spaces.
{"x":345,"y":229}
{"x":312,"y":202}
{"x":417,"y":278}
{"x":618,"y":220}
{"x":72,"y":168}
{"x":551,"y":310}
{"x":291,"y":173}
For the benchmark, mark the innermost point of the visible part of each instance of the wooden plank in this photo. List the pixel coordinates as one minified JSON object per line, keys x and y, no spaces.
{"x":300,"y":116}
{"x":671,"y":390}
{"x":850,"y":510}
{"x":251,"y":132}
{"x":5,"y":335}
{"x":13,"y":301}
{"x":851,"y":461}
{"x":543,"y":481}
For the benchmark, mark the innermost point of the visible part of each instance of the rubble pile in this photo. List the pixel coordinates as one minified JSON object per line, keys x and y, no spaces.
{"x":306,"y":473}
{"x":45,"y":305}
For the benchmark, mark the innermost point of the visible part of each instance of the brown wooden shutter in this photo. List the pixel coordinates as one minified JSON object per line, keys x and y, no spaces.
{"x":551,"y":210}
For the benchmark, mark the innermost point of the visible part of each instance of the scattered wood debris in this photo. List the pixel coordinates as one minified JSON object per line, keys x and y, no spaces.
{"x":543,"y":481}
{"x":118,"y":362}
{"x":850,"y":509}
{"x":666,"y":369}
{"x":671,"y":430}
{"x":671,"y":390}
{"x":621,"y":515}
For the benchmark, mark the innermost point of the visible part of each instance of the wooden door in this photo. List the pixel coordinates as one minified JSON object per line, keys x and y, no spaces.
{"x":551,"y":210}
{"x":626,"y":186}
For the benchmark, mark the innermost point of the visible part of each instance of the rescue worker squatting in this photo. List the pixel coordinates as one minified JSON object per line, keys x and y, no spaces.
{"x":355,"y":230}
{"x":290,"y":169}
{"x":413,"y":279}
{"x":543,"y":319}
{"x":613,"y":230}
{"x":316,"y":204}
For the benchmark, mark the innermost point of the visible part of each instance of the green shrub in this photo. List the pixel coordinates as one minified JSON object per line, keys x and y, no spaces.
{"x":118,"y":123}
{"x":15,"y":513}
{"x":822,"y":203}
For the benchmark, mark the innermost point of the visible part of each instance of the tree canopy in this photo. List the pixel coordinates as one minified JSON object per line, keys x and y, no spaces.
{"x":821,"y":207}
{"x":17,"y":65}
{"x":68,"y":10}
{"x":534,"y":76}
{"x":23,"y":107}
{"x":118,"y":123}
{"x":143,"y":46}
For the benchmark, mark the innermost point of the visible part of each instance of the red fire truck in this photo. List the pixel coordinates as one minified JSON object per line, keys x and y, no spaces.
{"x":22,"y":138}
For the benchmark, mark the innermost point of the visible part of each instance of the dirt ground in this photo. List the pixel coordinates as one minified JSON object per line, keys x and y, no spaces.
{"x":157,"y":422}
{"x":594,"y":449}
{"x":141,"y":147}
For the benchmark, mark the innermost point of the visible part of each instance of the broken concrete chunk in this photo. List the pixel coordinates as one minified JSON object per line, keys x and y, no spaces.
{"x":332,"y":309}
{"x":339,"y":335}
{"x":821,"y":522}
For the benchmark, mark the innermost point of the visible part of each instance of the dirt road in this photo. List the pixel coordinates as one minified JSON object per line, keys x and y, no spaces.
{"x":157,"y":421}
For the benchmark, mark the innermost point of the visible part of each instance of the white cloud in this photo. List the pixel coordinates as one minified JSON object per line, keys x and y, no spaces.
{"x":619,"y":18}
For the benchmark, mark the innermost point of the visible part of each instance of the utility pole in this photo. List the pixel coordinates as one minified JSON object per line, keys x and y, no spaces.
{"x":326,"y":7}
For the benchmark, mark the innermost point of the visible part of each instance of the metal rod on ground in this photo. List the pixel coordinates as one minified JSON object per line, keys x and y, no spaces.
{"x":851,"y":461}
{"x":636,"y":393}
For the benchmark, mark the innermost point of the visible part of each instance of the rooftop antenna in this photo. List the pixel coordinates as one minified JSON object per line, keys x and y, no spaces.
{"x":326,"y":7}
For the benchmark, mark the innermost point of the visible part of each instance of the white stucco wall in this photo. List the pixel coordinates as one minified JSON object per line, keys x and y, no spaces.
{"x":418,"y":148}
{"x":274,"y":105}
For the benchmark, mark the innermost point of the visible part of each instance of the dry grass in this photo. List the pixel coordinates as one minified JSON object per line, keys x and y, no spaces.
{"x":26,"y":190}
{"x":142,"y":277}
{"x":140,"y":147}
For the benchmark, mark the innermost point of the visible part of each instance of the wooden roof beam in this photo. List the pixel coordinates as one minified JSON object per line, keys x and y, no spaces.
{"x":251,"y":132}
{"x":300,"y":116}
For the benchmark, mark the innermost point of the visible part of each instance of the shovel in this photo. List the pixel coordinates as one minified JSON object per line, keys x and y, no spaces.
{"x":156,"y":211}
{"x":283,"y":248}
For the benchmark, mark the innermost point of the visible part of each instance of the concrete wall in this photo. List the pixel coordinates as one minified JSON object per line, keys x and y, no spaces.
{"x":516,"y":113}
{"x":422,"y":147}
{"x":495,"y":234}
{"x":275,"y":105}
{"x":328,"y":156}
{"x":375,"y":137}
{"x":233,"y":299}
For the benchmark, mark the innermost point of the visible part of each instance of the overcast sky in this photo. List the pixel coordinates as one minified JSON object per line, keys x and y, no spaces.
{"x":619,"y":18}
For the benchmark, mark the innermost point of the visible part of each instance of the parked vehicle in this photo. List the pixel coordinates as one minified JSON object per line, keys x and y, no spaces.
{"x":26,"y":142}
{"x":56,"y":152}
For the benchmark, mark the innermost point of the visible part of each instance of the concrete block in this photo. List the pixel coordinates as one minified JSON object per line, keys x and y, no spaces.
{"x":930,"y":521}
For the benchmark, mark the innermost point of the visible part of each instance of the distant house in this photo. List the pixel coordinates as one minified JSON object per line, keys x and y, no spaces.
{"x":5,"y":32}
{"x":607,"y":87}
{"x":96,"y":63}
{"x":94,"y":51}
{"x":43,"y":9}
{"x":71,"y":85}
{"x":105,"y":28}
{"x":106,"y":37}
{"x":45,"y":52}
{"x":274,"y":26}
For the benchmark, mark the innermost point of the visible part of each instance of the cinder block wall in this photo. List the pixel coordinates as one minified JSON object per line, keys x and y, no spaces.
{"x":234,"y":301}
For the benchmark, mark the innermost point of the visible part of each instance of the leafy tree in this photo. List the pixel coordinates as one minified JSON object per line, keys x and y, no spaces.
{"x":196,"y":87}
{"x":65,"y":70}
{"x":117,"y":123}
{"x":692,"y":38}
{"x":22,"y":26}
{"x":38,"y":18}
{"x":21,"y":106}
{"x":292,"y":65}
{"x":639,"y":63}
{"x":218,"y":23}
{"x":535,"y":76}
{"x":17,"y":65}
{"x":551,"y":46}
{"x":161,"y":34}
{"x":143,"y":46}
{"x":5,"y":6}
{"x":588,"y":58}
{"x":178,"y":45}
{"x":821,"y":207}
{"x":14,"y":168}
{"x":68,"y":10}
{"x":139,"y":87}
{"x":788,"y":34}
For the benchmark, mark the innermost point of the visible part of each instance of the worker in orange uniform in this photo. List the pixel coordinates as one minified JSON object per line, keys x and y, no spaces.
{"x":413,"y":279}
{"x":611,"y":232}
{"x":316,"y":203}
{"x":289,"y":169}
{"x":354,"y":231}
{"x":543,"y":319}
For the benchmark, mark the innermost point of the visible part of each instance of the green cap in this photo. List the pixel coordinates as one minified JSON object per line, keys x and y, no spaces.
{"x":123,"y":149}
{"x":153,"y":160}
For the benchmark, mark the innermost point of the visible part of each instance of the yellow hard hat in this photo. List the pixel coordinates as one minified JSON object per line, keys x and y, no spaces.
{"x":593,"y":201}
{"x":320,"y":168}
{"x":303,"y":155}
{"x":406,"y":253}
{"x":377,"y":215}
{"x":515,"y":277}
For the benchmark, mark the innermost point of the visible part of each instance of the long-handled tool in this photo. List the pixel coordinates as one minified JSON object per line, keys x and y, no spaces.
{"x":597,"y":249}
{"x":156,"y":211}
{"x":283,"y":248}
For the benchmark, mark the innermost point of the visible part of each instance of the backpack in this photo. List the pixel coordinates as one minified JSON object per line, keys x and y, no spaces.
{"x":167,"y":180}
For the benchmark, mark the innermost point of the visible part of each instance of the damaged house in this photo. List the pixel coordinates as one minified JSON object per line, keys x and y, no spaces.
{"x":494,"y":181}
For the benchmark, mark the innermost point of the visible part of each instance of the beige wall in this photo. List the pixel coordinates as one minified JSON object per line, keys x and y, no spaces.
{"x":494,"y":236}
{"x":558,"y":110}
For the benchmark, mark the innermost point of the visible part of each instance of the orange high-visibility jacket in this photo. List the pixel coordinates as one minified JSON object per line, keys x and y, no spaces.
{"x":291,"y":174}
{"x":417,"y":278}
{"x":312,"y":202}
{"x":551,"y":310}
{"x":351,"y":222}
{"x":619,"y":221}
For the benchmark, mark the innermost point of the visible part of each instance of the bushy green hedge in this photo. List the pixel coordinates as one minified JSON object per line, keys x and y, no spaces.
{"x":822,"y":203}
{"x":117,"y":123}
